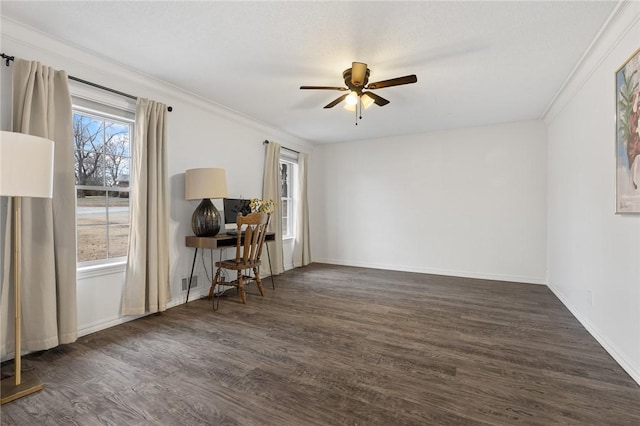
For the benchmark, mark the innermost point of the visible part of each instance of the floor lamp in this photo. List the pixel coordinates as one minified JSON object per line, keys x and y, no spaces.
{"x":26,"y":170}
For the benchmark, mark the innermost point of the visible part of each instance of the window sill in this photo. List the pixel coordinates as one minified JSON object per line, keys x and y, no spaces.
{"x":288,"y":238}
{"x":91,"y":271}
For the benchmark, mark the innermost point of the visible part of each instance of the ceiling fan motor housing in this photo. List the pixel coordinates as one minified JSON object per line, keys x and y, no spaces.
{"x":356,"y":77}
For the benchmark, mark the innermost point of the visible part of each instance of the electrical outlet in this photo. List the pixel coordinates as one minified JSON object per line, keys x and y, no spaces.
{"x":185,"y":283}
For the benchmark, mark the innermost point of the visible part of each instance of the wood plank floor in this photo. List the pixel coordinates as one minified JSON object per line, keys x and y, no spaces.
{"x":340,"y":346}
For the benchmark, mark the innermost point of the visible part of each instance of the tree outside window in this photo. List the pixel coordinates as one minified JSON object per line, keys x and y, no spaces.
{"x":102,"y":151}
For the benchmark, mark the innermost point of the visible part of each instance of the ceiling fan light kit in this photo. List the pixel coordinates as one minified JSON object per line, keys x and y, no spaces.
{"x":365,"y":100}
{"x":352,"y":98}
{"x":356,"y":79}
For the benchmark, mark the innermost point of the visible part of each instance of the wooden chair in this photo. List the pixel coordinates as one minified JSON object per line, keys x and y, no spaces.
{"x":249,"y":244}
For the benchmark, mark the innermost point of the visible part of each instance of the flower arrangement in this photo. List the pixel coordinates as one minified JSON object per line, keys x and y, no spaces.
{"x":261,"y":206}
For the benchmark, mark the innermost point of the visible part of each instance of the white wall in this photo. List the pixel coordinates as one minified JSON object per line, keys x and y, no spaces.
{"x":594,"y":254}
{"x":468,"y":202}
{"x":200,"y":134}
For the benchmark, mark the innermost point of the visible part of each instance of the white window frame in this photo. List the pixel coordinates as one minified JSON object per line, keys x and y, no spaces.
{"x":291,"y":159}
{"x":109,"y":107}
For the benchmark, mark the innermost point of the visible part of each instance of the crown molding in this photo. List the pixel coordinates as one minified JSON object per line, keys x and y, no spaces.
{"x":19,"y":39}
{"x":622,"y":19}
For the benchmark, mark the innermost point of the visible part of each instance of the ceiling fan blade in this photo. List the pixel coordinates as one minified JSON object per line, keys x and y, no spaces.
{"x":358,"y":73}
{"x":407,"y":79}
{"x":324,"y":88}
{"x":378,"y":100}
{"x":337,"y":101}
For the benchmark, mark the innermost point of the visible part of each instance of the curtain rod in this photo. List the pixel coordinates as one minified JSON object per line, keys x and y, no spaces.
{"x":8,"y":60}
{"x":283,"y":147}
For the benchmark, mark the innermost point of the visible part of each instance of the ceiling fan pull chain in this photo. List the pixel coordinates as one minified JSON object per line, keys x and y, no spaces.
{"x":356,"y":110}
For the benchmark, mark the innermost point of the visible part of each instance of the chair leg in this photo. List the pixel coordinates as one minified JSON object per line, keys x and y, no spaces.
{"x":243,"y":293}
{"x":258,"y":281}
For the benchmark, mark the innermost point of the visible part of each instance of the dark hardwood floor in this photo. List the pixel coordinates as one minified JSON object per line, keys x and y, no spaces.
{"x":340,"y":346}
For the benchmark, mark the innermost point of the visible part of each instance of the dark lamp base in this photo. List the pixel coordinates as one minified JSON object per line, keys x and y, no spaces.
{"x":206,"y":219}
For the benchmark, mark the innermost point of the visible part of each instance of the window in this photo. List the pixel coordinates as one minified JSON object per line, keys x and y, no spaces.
{"x":102,"y":153}
{"x":288,"y":172}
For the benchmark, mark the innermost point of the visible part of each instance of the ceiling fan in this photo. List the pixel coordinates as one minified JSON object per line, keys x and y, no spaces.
{"x":356,"y":79}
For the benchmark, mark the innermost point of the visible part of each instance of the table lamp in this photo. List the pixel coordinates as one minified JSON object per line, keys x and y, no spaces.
{"x":205,"y":184}
{"x":26,"y":170}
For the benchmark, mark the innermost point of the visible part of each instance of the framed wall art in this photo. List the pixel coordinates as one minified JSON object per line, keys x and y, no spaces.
{"x":628,"y":136}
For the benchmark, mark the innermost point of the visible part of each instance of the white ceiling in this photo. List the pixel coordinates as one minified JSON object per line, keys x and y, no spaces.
{"x":478,"y":63}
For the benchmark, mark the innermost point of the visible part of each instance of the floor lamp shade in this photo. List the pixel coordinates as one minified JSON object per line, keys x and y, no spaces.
{"x":26,"y":170}
{"x":26,"y":166}
{"x":205,"y":184}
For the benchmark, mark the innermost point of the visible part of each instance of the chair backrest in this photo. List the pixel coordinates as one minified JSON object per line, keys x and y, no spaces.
{"x":249,"y":243}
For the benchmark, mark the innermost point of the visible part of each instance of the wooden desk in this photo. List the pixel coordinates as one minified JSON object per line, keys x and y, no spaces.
{"x":221,"y":241}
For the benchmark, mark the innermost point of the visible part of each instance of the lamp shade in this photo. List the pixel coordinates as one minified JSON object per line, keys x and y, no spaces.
{"x":26,"y":165}
{"x":205,"y":183}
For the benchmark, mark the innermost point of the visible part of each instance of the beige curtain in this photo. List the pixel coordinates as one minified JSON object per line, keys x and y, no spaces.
{"x":301,"y":248}
{"x":271,"y":190}
{"x":147,"y":274}
{"x":42,"y":107}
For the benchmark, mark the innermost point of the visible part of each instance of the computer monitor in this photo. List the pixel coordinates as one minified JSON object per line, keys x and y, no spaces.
{"x":233,"y":206}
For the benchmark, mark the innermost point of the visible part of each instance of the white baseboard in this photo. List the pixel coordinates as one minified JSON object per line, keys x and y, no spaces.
{"x":593,"y":330}
{"x":436,"y":271}
{"x":117,"y":320}
{"x":106,"y":323}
